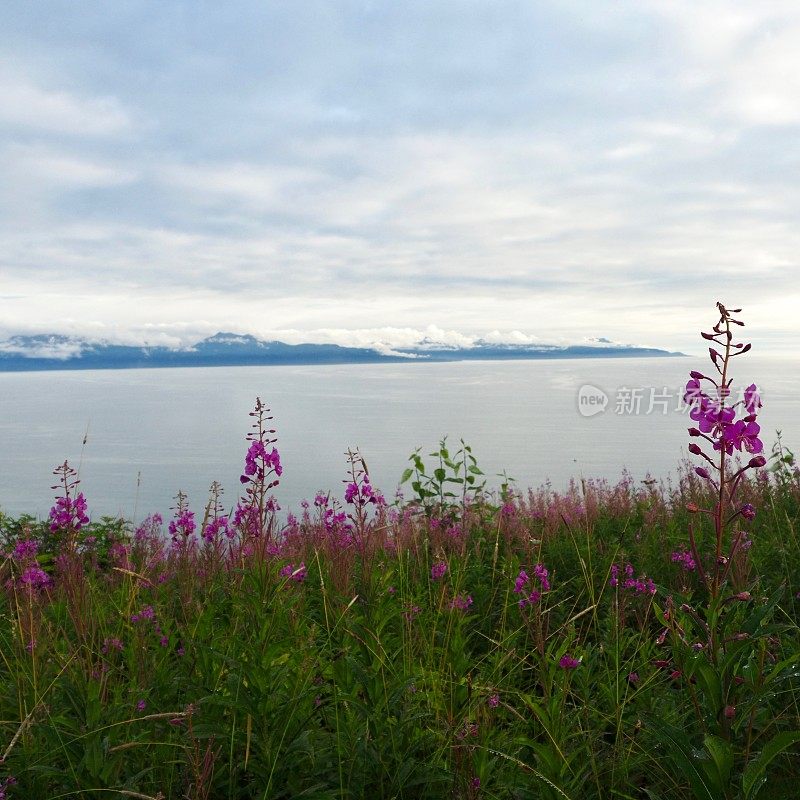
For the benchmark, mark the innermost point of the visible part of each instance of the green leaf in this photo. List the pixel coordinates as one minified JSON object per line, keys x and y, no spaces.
{"x":687,"y":764}
{"x":407,"y":473}
{"x":722,"y":754}
{"x":754,"y":775}
{"x":753,"y":622}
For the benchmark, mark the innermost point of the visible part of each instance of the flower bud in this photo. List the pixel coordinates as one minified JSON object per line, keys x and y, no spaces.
{"x":703,"y":473}
{"x":695,"y":449}
{"x":757,"y":461}
{"x":743,"y":596}
{"x":697,"y":375}
{"x":693,"y":508}
{"x":694,"y":432}
{"x":729,"y":712}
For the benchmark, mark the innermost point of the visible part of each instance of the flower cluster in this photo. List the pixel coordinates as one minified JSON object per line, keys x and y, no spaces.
{"x":298,"y":575}
{"x":532,"y":594}
{"x":685,"y":559}
{"x":217,"y":527}
{"x":569,"y":662}
{"x":629,"y":582}
{"x":438,"y":570}
{"x":111,"y":643}
{"x":461,"y":602}
{"x":361,"y":495}
{"x":183,"y":524}
{"x":34,"y":577}
{"x":69,"y":513}
{"x":717,"y":423}
{"x":146,"y":613}
{"x":258,"y":462}
{"x":25,"y":549}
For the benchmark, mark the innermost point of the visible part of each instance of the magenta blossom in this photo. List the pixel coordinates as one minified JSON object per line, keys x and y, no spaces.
{"x":461,"y":602}
{"x":438,"y":570}
{"x":748,"y":511}
{"x":522,"y":585}
{"x":258,"y":461}
{"x":569,"y":662}
{"x":25,"y":549}
{"x":34,"y":577}
{"x":742,"y":434}
{"x":685,"y":559}
{"x":298,"y":575}
{"x":631,"y":583}
{"x":183,"y":524}
{"x":69,"y":513}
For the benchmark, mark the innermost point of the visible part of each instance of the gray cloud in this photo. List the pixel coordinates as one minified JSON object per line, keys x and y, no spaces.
{"x":565,"y":170}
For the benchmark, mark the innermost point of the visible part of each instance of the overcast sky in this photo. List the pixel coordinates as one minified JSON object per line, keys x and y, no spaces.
{"x":365,"y":170}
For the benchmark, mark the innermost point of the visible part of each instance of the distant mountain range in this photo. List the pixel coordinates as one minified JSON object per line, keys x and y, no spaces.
{"x":55,"y":352}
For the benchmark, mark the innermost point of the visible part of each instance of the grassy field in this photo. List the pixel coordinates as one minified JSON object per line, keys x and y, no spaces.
{"x":628,"y":640}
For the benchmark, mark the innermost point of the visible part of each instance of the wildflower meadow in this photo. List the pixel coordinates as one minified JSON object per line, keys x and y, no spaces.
{"x":615,"y":640}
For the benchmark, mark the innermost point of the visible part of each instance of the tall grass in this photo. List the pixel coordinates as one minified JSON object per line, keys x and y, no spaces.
{"x":524,"y":644}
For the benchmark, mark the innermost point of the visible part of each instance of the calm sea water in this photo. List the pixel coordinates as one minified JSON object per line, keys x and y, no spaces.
{"x":153,"y":432}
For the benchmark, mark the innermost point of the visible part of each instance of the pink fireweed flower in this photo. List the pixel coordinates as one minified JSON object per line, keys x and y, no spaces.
{"x":217,"y":527}
{"x":438,"y":570}
{"x":630,"y":583}
{"x":523,"y":581}
{"x":69,"y":513}
{"x":34,"y":577}
{"x":246,"y":518}
{"x":183,"y":524}
{"x":520,"y":582}
{"x":298,"y":575}
{"x":141,"y":705}
{"x":493,"y":701}
{"x":752,"y":399}
{"x":461,"y":602}
{"x":111,"y":643}
{"x":258,"y":461}
{"x":685,"y":559}
{"x":748,"y":511}
{"x":146,"y":613}
{"x":25,"y":549}
{"x":742,"y":434}
{"x":541,"y":573}
{"x":569,"y":662}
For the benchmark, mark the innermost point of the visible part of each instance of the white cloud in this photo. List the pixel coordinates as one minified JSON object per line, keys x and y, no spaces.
{"x":26,"y":105}
{"x":48,"y":167}
{"x":481,"y":176}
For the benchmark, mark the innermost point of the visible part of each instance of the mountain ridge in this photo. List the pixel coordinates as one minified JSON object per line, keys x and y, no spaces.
{"x":58,"y":352}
